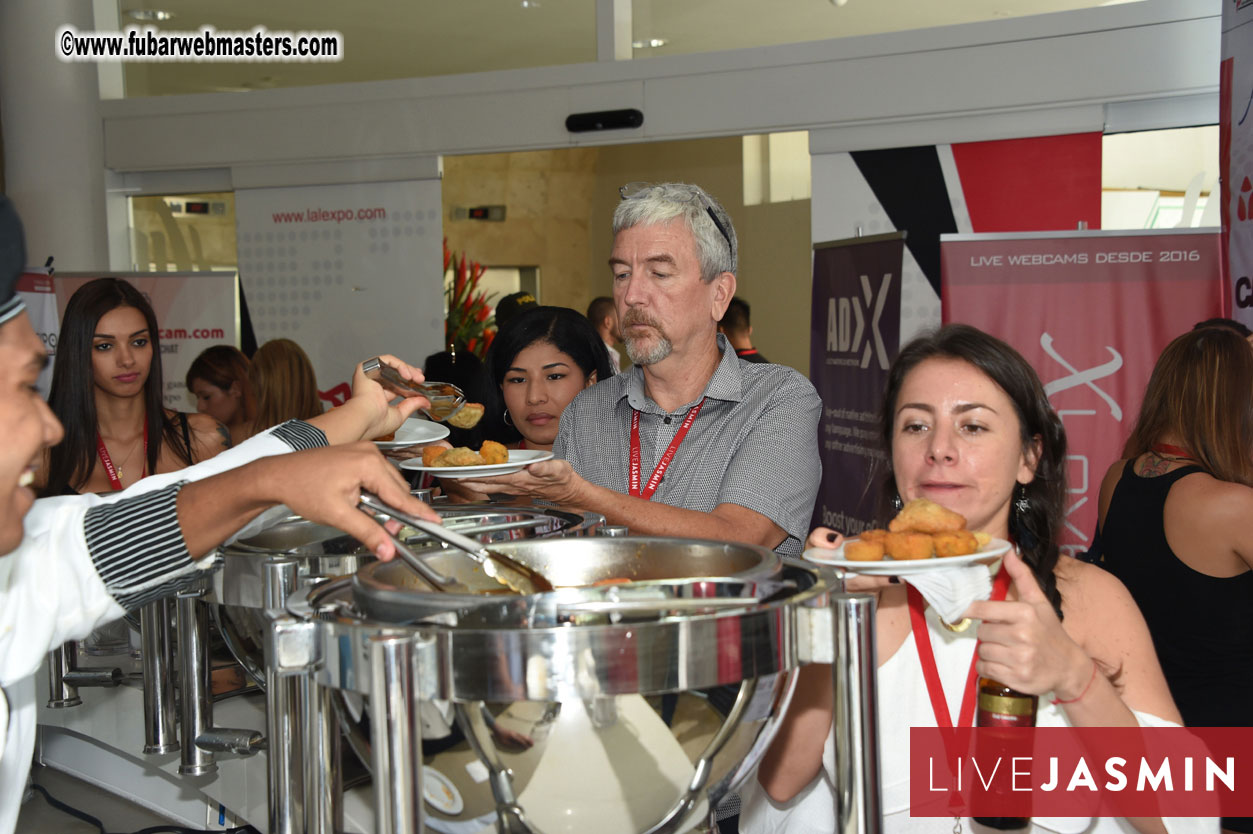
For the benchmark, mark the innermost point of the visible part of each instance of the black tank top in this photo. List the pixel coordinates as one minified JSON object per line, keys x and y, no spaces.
{"x":1202,"y":626}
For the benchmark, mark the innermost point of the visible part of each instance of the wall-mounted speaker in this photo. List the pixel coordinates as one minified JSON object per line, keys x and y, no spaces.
{"x":604,"y":120}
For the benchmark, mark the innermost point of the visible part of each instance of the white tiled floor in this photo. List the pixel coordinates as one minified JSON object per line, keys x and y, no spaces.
{"x":117,"y":814}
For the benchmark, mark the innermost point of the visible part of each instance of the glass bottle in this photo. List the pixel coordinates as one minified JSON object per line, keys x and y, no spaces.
{"x":1000,"y":706}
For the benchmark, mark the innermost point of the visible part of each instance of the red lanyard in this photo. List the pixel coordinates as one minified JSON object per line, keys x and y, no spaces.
{"x":663,"y":464}
{"x":1167,"y":449}
{"x":115,"y":480}
{"x":922,"y":639}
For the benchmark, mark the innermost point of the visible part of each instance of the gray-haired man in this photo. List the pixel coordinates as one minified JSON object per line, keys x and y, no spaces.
{"x":692,"y":441}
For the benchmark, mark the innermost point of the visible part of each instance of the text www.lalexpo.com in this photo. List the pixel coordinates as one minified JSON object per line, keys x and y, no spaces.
{"x":148,"y":44}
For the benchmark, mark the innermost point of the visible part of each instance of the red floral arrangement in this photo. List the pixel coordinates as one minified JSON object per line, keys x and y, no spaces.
{"x":468,"y":322}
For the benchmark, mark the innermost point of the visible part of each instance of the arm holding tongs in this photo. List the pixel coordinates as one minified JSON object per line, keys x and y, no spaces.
{"x":372,"y":506}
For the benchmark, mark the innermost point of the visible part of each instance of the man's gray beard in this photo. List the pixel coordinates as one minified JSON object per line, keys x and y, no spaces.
{"x":661,"y":349}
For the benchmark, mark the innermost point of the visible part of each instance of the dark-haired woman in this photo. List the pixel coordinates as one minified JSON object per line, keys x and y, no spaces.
{"x":967,"y":424}
{"x":1176,"y":523}
{"x":107,"y":392}
{"x":218,"y":379}
{"x":541,"y":360}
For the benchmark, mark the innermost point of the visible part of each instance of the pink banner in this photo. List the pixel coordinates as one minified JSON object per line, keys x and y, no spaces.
{"x":1091,"y":312}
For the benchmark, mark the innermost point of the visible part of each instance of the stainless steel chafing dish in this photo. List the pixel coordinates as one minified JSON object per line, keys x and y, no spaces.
{"x":628,"y":708}
{"x":258,"y":574}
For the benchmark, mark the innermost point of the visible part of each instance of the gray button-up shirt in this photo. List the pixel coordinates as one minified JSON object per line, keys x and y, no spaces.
{"x":754,"y":443}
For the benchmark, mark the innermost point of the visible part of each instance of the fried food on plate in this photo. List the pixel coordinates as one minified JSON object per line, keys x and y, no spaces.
{"x":493,"y":453}
{"x":430,"y":454}
{"x":923,"y":516}
{"x":468,"y":416}
{"x":459,"y":456}
{"x":862,"y":550}
{"x":873,"y":535}
{"x":955,"y":543}
{"x":908,"y":545}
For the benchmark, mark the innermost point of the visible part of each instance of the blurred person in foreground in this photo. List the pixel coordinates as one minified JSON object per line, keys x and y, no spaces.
{"x":1176,"y":524}
{"x":71,"y":563}
{"x":737,"y":326}
{"x":965,"y":423}
{"x":604,"y":317}
{"x":736,"y":443}
{"x":285,"y":385}
{"x":218,"y":379}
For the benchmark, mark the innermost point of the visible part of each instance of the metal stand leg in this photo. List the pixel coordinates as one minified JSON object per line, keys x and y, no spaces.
{"x":197,"y":701}
{"x":154,"y":631}
{"x":396,"y":735}
{"x":324,"y":787}
{"x":62,"y":661}
{"x":858,"y":809}
{"x":284,"y":705}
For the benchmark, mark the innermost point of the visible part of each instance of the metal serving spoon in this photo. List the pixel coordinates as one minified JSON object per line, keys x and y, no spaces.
{"x":508,"y":572}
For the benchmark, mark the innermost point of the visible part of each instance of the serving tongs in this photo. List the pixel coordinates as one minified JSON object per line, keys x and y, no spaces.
{"x":508,"y":572}
{"x":446,"y":399}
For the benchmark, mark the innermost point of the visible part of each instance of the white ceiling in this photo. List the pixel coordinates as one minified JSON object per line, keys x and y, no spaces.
{"x":387,"y":39}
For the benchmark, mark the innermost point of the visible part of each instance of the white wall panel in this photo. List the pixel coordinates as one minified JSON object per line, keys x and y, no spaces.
{"x":944,"y":83}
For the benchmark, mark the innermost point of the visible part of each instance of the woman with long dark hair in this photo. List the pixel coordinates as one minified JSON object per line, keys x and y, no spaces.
{"x":966,"y":424}
{"x":107,"y":391}
{"x":1175,"y":525}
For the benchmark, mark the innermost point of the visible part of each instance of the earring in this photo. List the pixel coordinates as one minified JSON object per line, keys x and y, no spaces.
{"x":1021,"y":504}
{"x":508,"y":422}
{"x":897,"y":503}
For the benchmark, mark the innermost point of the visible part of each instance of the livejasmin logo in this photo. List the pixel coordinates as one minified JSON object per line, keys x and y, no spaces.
{"x":846,"y":323}
{"x":1081,"y":772}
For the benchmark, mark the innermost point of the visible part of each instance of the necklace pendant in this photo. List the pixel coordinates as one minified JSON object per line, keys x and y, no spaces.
{"x":959,"y":626}
{"x":957,"y":825}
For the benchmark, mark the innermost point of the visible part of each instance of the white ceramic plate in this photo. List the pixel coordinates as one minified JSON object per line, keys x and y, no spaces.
{"x":888,"y":566}
{"x":414,"y":432}
{"x":440,"y":792}
{"x":518,"y":458}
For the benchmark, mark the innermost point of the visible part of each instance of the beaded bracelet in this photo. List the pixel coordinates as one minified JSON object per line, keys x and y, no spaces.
{"x":1079,"y":697}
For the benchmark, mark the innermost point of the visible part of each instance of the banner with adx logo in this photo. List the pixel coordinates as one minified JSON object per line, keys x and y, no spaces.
{"x":1091,"y":312}
{"x":854,"y":336}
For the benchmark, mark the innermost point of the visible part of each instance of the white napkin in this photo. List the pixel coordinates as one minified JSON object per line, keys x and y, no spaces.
{"x":950,"y":592}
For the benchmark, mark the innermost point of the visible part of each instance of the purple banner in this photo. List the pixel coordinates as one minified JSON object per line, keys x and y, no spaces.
{"x":854,"y":335}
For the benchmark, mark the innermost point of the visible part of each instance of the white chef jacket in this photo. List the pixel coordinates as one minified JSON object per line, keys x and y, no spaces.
{"x":85,"y":560}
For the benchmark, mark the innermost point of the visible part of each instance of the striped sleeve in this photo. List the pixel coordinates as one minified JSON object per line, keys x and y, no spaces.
{"x":138,"y":548}
{"x":300,"y":435}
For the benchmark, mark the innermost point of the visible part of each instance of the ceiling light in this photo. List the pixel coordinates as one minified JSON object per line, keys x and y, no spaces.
{"x":651,"y":43}
{"x":149,"y":15}
{"x":530,"y":4}
{"x":838,"y":2}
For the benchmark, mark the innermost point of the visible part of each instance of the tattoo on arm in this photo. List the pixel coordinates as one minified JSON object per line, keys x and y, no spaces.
{"x":226,"y":436}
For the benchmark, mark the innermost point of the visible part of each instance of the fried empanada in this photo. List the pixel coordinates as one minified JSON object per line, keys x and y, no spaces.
{"x":459,"y":456}
{"x":862,"y":550}
{"x":467,"y":417}
{"x":924,"y":516}
{"x":908,"y":545}
{"x":493,"y":453}
{"x":955,"y":543}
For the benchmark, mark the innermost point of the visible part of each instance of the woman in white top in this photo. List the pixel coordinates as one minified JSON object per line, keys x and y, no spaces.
{"x":967,"y":424}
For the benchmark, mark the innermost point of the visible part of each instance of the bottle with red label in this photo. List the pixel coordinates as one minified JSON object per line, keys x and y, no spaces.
{"x":1000,"y":706}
